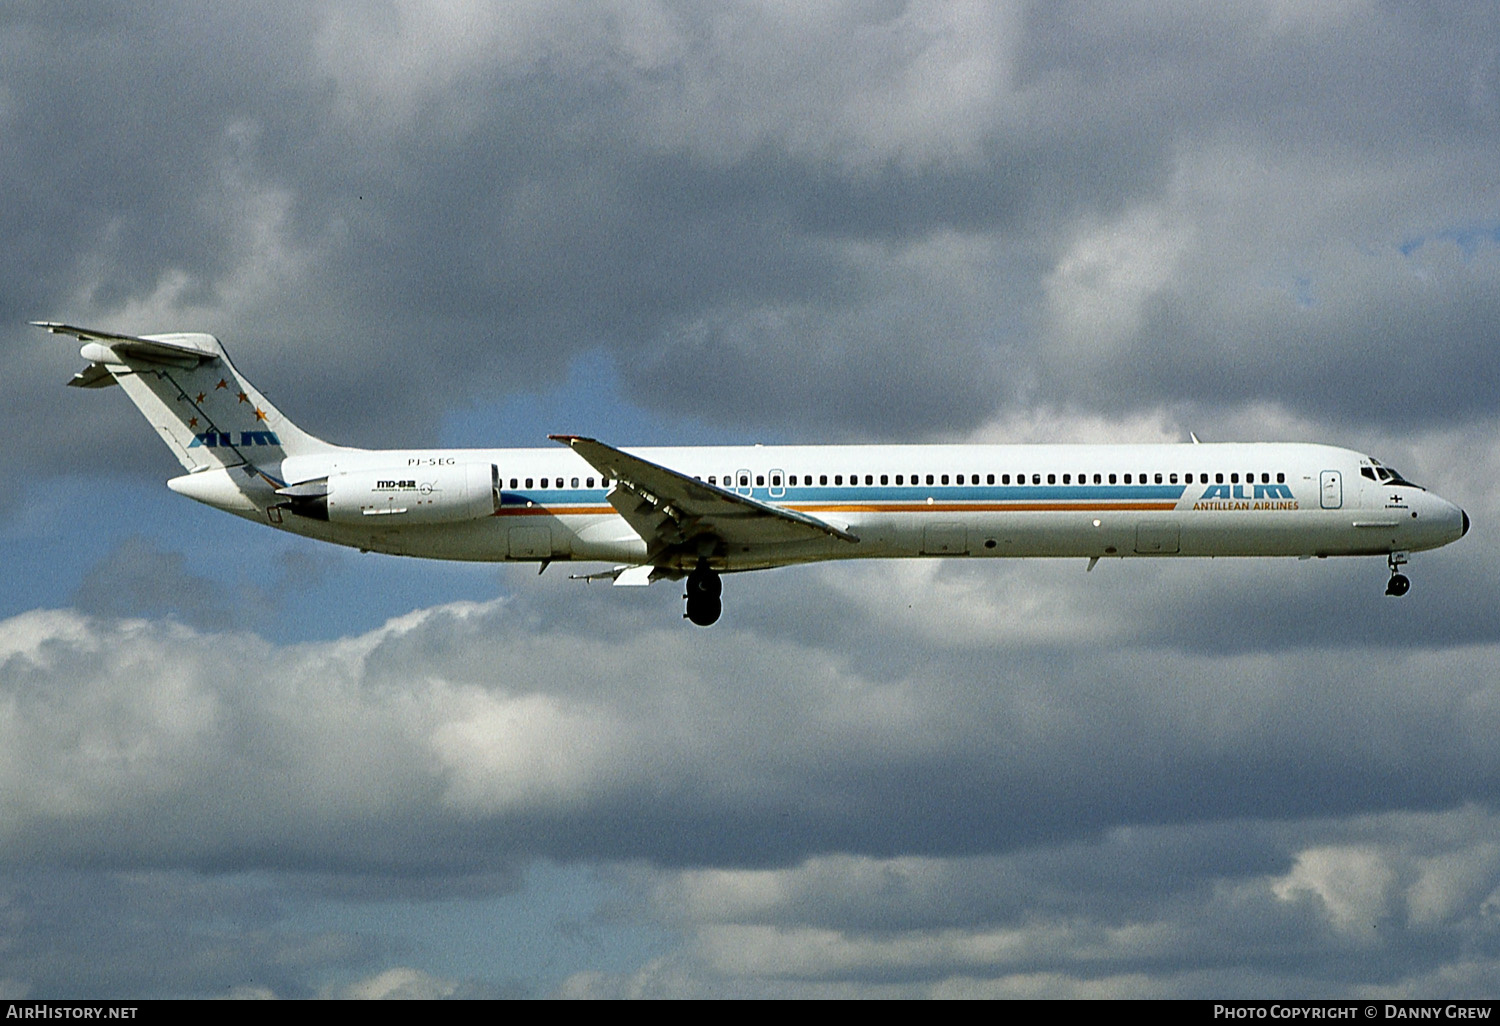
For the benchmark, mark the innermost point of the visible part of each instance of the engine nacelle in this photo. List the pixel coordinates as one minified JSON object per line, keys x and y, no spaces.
{"x":397,"y":497}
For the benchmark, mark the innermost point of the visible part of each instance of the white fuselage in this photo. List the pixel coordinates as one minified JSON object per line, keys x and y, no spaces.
{"x":1250,"y":499}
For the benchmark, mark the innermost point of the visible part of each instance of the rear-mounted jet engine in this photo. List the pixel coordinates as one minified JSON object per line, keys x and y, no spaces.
{"x":435,"y":495}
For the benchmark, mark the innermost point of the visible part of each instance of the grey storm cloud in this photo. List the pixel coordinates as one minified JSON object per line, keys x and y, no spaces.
{"x":888,"y":221}
{"x":1017,"y":801}
{"x":882,"y":222}
{"x":463,"y":738}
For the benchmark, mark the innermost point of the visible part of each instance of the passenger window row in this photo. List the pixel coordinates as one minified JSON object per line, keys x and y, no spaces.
{"x":588,"y":482}
{"x":792,"y":480}
{"x":805,"y":480}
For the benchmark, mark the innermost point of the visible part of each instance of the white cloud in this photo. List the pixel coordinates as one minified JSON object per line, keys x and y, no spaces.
{"x":1097,"y":291}
{"x":851,"y":86}
{"x":1353,"y":883}
{"x":401,"y":983}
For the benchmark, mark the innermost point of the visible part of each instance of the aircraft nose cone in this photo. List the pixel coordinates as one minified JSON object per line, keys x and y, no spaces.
{"x":1466,"y":523}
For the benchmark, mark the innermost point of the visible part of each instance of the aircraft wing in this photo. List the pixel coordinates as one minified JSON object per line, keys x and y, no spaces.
{"x":670,"y":510}
{"x":178,"y":350}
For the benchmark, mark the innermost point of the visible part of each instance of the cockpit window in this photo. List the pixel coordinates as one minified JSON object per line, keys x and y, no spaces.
{"x":1386,"y":475}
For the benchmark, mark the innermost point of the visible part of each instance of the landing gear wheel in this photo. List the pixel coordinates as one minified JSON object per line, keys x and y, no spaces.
{"x":704,"y":581}
{"x":704,"y":610}
{"x":703,"y":591}
{"x":1399,"y":584}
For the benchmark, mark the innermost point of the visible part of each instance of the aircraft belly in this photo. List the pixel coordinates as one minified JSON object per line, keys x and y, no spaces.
{"x":999,"y":533}
{"x":607,"y":538}
{"x":1274,"y":533}
{"x":475,"y":540}
{"x":903,"y":534}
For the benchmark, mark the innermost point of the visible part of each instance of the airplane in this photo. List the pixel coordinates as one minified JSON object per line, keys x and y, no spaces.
{"x":696,"y":513}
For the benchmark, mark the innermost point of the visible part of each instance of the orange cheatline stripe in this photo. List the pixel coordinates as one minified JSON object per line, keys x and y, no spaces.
{"x":914,"y":507}
{"x":1044,"y":507}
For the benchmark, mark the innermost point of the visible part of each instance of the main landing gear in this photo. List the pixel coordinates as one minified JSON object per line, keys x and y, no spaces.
{"x":703,"y":591}
{"x":1399,"y":583}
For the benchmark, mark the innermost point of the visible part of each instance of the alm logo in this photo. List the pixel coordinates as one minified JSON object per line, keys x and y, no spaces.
{"x":215,"y":439}
{"x":1261,"y":491}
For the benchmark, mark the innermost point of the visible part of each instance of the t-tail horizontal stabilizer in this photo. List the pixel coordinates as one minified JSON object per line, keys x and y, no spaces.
{"x":208,"y":413}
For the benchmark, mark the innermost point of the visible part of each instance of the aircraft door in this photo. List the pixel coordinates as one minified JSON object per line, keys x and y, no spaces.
{"x":744,"y":482}
{"x":1333,"y":489}
{"x":1153,"y":538}
{"x":778,"y":484}
{"x":945,"y":540}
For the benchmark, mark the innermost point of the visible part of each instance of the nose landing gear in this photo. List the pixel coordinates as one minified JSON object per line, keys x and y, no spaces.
{"x":1399,"y":584}
{"x":703,"y":591}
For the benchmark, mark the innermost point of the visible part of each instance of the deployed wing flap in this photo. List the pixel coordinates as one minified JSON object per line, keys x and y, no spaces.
{"x":626,"y":576}
{"x":669,"y":509}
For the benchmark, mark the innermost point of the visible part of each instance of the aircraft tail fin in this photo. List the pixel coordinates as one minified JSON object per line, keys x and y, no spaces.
{"x":208,"y":413}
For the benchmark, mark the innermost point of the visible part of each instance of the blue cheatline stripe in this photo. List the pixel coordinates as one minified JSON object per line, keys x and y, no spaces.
{"x":868,"y":494}
{"x":975,"y":493}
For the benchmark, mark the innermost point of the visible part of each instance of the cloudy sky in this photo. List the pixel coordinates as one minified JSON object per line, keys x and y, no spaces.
{"x":235,"y":763}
